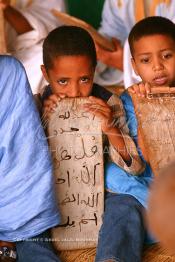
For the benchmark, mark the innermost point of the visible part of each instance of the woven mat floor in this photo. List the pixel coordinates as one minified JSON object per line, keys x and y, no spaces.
{"x":153,"y":253}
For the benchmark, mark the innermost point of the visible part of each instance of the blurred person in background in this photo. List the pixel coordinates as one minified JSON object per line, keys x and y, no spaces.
{"x":161,"y":208}
{"x":28,"y":23}
{"x":118,"y":17}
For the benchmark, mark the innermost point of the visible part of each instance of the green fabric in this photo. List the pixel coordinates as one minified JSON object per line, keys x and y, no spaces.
{"x":87,"y":10}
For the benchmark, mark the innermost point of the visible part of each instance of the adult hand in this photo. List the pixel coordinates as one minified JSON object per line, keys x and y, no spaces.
{"x":111,"y":58}
{"x":4,"y":4}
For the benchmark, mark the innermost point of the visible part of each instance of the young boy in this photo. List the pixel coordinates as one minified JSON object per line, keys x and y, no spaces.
{"x":27,"y":23}
{"x":153,"y":55}
{"x":69,"y":63}
{"x":152,"y":44}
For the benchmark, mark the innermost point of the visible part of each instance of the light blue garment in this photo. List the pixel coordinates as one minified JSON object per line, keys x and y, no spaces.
{"x":118,"y":180}
{"x":27,"y":199}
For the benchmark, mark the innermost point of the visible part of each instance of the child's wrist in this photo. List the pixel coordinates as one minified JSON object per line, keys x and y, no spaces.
{"x":110,"y":130}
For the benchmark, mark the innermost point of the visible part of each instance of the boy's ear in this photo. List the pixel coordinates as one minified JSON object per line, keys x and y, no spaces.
{"x":43,"y":69}
{"x":134,"y":66}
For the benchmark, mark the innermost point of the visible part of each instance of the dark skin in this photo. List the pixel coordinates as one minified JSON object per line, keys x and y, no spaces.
{"x":15,"y":18}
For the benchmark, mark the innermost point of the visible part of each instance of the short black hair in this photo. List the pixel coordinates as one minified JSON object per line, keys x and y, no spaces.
{"x":65,"y":41}
{"x":153,"y":25}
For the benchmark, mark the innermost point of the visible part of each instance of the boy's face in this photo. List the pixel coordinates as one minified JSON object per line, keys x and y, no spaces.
{"x":154,"y":60}
{"x":71,"y":76}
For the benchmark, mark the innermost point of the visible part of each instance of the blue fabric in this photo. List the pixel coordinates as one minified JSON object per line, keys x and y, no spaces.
{"x":118,"y":180}
{"x":27,"y":199}
{"x":121,"y":236}
{"x":37,"y":249}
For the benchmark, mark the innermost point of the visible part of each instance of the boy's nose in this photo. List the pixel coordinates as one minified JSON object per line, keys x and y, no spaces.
{"x":75,"y":90}
{"x":157,"y":64}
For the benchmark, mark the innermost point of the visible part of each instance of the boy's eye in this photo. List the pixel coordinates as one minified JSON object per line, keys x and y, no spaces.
{"x":167,"y":55}
{"x":62,"y":81}
{"x":145,"y":60}
{"x":84,"y":79}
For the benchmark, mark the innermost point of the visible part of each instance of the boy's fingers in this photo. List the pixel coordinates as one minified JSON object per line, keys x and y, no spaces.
{"x":100,"y":114}
{"x":96,"y":100}
{"x":95,"y":110}
{"x":136,"y":89}
{"x":142,"y":89}
{"x":48,"y":112}
{"x":98,"y":108}
{"x":131,"y":89}
{"x":49,"y":103}
{"x":104,"y":115}
{"x":54,"y":98}
{"x":148,"y":88}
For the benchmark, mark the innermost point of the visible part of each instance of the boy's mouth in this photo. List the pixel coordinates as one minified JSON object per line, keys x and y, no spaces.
{"x":160,"y":80}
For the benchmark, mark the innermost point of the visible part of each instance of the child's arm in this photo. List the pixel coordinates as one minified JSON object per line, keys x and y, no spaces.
{"x":102,"y":110}
{"x":15,"y":18}
{"x":122,"y":148}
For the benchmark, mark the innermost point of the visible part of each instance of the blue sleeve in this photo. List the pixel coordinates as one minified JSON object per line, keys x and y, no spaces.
{"x":131,"y":119}
{"x":130,"y":114}
{"x":27,"y":199}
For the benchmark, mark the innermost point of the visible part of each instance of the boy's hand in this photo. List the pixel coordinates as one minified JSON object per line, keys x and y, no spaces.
{"x":101,"y":110}
{"x":111,"y":58}
{"x":140,"y":89}
{"x":142,"y":146}
{"x":50,"y":104}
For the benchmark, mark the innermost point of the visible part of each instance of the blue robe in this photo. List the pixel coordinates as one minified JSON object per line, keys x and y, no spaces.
{"x":27,"y":199}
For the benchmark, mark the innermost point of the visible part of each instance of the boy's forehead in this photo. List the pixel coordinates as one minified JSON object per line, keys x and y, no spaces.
{"x":151,"y":43}
{"x":71,"y":58}
{"x":69,"y":65}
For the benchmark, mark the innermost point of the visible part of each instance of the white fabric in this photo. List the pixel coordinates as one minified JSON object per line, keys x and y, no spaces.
{"x":28,"y":47}
{"x":117,"y":21}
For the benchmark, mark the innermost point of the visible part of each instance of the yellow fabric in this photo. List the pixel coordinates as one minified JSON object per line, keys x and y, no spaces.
{"x":13,"y":2}
{"x":139,"y":8}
